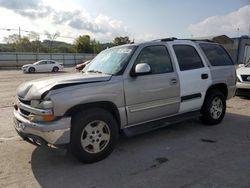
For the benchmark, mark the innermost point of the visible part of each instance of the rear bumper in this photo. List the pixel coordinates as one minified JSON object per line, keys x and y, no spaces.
{"x":55,"y":133}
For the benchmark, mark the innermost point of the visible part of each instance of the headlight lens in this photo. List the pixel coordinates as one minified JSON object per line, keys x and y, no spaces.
{"x":41,"y":104}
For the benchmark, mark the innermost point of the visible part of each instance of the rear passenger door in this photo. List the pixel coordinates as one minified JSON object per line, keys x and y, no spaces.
{"x":194,"y":74}
{"x":50,"y":65}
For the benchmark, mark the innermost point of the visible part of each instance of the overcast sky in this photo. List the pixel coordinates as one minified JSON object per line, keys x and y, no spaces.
{"x":138,"y":19}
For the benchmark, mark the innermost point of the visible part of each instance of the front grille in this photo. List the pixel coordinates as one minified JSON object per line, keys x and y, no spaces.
{"x":24,"y":101}
{"x":24,"y":112}
{"x":245,"y":78}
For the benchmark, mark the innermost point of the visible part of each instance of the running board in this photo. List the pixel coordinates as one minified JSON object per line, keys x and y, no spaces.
{"x":146,"y":127}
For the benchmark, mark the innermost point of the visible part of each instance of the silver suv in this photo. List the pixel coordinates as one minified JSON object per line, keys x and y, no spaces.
{"x":126,"y":88}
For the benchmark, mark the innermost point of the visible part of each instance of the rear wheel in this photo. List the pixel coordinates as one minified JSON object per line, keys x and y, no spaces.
{"x":32,"y":69}
{"x":214,"y":108}
{"x":55,"y":69}
{"x":94,"y":135}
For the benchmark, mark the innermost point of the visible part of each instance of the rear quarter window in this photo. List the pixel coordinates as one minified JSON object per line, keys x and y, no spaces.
{"x":216,"y":54}
{"x":188,"y":58}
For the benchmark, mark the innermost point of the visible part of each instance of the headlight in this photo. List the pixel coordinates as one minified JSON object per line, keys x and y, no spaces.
{"x":41,"y":104}
{"x":238,"y":79}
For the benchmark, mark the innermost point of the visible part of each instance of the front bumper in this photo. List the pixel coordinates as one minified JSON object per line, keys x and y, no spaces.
{"x":243,"y":88}
{"x":243,"y":85}
{"x":25,"y":69}
{"x":56,"y":132}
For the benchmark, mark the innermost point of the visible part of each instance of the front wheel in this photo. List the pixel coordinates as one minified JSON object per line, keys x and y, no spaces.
{"x":214,"y":108}
{"x":32,"y":70}
{"x":55,"y":69}
{"x":94,"y":135}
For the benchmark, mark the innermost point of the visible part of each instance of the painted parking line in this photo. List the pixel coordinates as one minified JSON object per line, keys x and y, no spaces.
{"x":10,"y":139}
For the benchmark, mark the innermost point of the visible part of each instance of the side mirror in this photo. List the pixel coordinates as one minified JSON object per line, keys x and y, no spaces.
{"x":141,"y":69}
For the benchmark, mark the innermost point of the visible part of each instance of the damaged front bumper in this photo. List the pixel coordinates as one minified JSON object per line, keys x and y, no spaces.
{"x":56,"y":132}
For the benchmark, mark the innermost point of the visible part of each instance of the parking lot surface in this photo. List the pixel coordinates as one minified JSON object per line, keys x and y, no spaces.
{"x":187,"y":154}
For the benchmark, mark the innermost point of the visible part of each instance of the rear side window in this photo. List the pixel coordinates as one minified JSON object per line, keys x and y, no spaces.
{"x":216,"y":54}
{"x":188,"y":58}
{"x":157,"y":57}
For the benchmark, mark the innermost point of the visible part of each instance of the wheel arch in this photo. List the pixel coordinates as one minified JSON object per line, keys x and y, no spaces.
{"x":106,"y":105}
{"x":55,"y":67}
{"x":222,"y":87}
{"x":32,"y":67}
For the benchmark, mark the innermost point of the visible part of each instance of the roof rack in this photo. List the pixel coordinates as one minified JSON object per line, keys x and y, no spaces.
{"x":168,"y":39}
{"x":165,"y":39}
{"x":173,"y":38}
{"x":204,"y":40}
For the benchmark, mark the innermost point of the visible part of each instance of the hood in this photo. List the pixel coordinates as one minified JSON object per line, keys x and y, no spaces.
{"x":27,"y":65}
{"x":34,"y":89}
{"x":243,"y":71}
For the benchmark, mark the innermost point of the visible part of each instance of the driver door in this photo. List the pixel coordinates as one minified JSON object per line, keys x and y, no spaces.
{"x":42,"y":66}
{"x":155,"y":95}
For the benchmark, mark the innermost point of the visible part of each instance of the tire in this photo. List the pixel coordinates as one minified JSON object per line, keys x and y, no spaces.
{"x":55,"y":69}
{"x":214,"y":108}
{"x":32,"y":70}
{"x":94,"y":134}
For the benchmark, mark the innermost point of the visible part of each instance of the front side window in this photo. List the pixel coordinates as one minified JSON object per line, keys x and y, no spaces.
{"x":157,"y":57}
{"x":216,"y":54}
{"x":188,"y":58}
{"x":41,"y":63}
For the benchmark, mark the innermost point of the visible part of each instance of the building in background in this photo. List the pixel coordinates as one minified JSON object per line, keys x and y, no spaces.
{"x":238,"y":48}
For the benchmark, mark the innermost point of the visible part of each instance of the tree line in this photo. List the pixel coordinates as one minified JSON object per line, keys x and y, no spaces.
{"x":32,"y":43}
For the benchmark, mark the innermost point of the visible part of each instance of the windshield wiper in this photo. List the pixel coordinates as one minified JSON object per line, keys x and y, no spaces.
{"x":95,"y":71}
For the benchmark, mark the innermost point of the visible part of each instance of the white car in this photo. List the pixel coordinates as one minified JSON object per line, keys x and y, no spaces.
{"x":243,"y":81}
{"x":43,"y":66}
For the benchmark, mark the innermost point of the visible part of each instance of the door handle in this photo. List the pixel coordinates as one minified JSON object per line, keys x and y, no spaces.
{"x":204,"y":76}
{"x":173,"y":81}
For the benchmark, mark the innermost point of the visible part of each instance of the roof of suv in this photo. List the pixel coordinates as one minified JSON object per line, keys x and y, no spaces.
{"x":169,"y":40}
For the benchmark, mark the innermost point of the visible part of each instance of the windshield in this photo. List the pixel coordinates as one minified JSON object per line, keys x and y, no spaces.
{"x":247,"y":65}
{"x":110,"y":61}
{"x":37,"y":63}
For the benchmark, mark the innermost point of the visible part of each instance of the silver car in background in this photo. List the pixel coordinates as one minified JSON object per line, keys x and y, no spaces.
{"x":43,"y":66}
